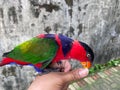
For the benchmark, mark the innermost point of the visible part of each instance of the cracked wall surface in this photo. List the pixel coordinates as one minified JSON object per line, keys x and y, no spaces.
{"x":96,"y":22}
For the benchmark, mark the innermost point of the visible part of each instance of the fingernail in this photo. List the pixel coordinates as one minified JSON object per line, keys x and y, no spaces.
{"x":83,"y":73}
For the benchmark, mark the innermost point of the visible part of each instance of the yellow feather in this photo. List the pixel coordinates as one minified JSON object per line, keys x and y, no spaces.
{"x":25,"y":46}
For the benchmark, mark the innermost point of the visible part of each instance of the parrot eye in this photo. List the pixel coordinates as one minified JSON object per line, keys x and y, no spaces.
{"x":88,"y":55}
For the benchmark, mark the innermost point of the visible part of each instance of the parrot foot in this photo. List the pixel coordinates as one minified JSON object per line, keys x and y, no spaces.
{"x":48,"y":70}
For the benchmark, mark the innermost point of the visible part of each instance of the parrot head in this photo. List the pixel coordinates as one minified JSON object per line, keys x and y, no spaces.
{"x":86,"y":59}
{"x":80,"y":55}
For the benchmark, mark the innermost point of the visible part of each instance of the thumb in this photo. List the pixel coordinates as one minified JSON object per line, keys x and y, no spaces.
{"x":75,"y":75}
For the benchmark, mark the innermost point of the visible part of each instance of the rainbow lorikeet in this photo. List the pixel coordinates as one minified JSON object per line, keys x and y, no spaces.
{"x":46,"y":49}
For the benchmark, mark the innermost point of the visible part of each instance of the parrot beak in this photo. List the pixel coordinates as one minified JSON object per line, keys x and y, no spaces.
{"x":86,"y":64}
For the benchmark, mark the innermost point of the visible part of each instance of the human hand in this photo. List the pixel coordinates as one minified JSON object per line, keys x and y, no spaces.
{"x":57,"y":80}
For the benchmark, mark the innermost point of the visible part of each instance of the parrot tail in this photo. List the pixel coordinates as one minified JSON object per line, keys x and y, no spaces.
{"x":8,"y":60}
{"x":1,"y":64}
{"x":4,"y":61}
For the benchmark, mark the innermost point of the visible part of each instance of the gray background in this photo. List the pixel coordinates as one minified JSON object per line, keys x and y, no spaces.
{"x":96,"y":22}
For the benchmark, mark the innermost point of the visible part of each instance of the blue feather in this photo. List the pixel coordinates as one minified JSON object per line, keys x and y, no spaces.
{"x":37,"y":69}
{"x":66,"y":44}
{"x":65,"y":41}
{"x":52,"y":36}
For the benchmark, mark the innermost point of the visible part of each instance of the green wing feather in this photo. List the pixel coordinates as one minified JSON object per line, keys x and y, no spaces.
{"x":36,"y":50}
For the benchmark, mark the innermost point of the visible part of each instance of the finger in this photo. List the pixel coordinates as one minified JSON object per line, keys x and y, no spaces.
{"x":75,"y":75}
{"x":67,"y":66}
{"x":65,"y":87}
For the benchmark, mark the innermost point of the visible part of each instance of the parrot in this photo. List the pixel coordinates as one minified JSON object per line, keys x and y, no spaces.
{"x":45,"y":50}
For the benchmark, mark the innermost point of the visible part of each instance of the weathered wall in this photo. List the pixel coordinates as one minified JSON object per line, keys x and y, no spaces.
{"x":16,"y":77}
{"x":95,"y":22}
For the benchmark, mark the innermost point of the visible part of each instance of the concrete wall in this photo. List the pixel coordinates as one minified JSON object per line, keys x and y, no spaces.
{"x":96,"y":22}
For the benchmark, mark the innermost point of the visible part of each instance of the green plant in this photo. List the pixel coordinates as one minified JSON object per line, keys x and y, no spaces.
{"x":102,"y":67}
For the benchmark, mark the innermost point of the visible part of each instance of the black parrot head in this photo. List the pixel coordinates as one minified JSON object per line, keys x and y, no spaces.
{"x":90,"y":53}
